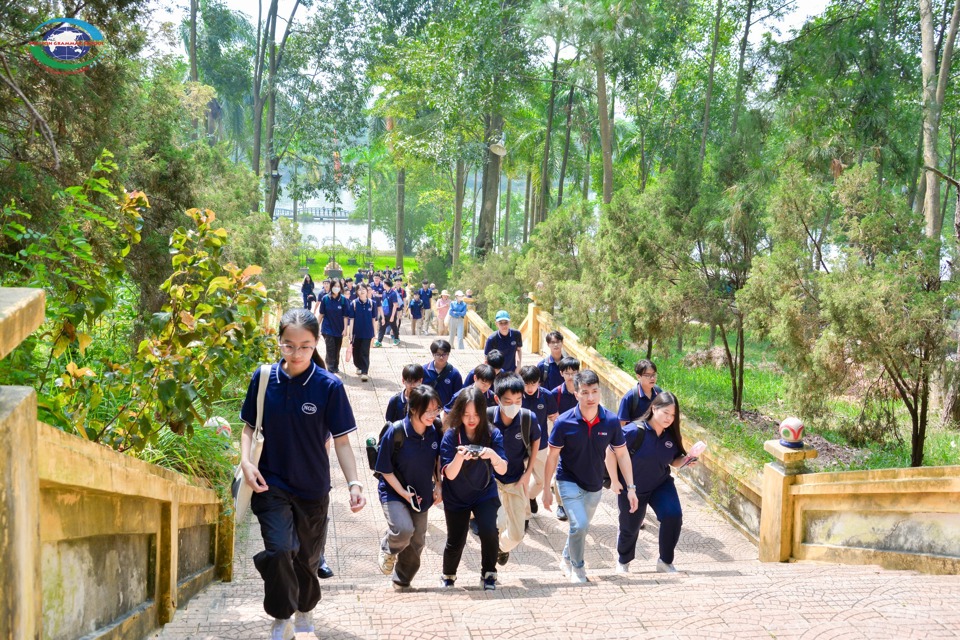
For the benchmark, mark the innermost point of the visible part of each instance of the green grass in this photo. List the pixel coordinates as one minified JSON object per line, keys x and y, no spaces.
{"x":381,"y":261}
{"x":705,"y":391}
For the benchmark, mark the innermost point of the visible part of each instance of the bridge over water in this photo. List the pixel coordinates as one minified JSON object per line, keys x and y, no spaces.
{"x":722,"y":591}
{"x":313,"y":214}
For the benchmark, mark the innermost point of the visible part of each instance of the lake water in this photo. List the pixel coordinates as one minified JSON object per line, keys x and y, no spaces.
{"x":348,"y":233}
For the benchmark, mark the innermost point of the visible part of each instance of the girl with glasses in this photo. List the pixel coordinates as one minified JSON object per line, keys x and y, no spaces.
{"x":303,"y":406}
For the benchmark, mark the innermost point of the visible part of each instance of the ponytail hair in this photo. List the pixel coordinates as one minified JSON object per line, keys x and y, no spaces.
{"x":303,"y":319}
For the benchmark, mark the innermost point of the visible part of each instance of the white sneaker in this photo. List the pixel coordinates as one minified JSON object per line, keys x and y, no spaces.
{"x":663,"y":567}
{"x":364,"y":377}
{"x":578,"y":575}
{"x":623,"y":567}
{"x":303,"y":622}
{"x":565,"y":566}
{"x":387,"y":561}
{"x":282,"y":630}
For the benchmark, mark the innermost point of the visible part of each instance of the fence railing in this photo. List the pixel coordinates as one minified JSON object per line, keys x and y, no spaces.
{"x":95,"y":543}
{"x":899,"y":518}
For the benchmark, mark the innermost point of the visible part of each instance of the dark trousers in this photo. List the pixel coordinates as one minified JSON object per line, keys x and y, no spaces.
{"x":458,"y":525}
{"x":361,"y":354}
{"x":393,"y":327}
{"x":333,"y":352}
{"x":666,"y":504}
{"x":293,"y":531}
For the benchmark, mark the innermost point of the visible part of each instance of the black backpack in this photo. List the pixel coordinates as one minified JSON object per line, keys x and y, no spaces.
{"x":399,"y":435}
{"x":635,"y":400}
{"x":637,"y":443}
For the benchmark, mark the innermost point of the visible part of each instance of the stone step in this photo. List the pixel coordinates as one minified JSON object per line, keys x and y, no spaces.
{"x":21,"y":312}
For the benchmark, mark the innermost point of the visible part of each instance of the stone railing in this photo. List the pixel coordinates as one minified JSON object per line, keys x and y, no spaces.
{"x":900,"y":518}
{"x":95,"y":543}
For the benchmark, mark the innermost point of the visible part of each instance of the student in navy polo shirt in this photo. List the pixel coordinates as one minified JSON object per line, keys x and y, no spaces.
{"x":304,"y":404}
{"x":426,"y":296}
{"x":413,"y":465}
{"x":468,"y":485}
{"x":333,"y":311}
{"x":377,"y":289}
{"x":306,"y":288}
{"x":549,"y":367}
{"x":507,"y":341}
{"x":544,"y":406}
{"x":360,"y":329}
{"x":391,"y":313}
{"x":508,"y":415}
{"x":440,"y":374}
{"x":483,"y":380}
{"x":494,"y":359}
{"x":411,"y":376}
{"x":416,"y":312}
{"x":564,"y":393}
{"x":635,"y":402}
{"x":661,"y":448}
{"x":579,"y":444}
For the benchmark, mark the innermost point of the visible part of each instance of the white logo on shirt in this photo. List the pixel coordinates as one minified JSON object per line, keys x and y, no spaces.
{"x":447,"y":381}
{"x":433,"y":446}
{"x":668,"y":444}
{"x":309,"y":408}
{"x":601,"y":433}
{"x":539,"y":406}
{"x":519,"y":436}
{"x":513,"y":344}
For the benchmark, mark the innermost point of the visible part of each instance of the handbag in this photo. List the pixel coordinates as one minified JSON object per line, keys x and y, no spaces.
{"x":242,"y":492}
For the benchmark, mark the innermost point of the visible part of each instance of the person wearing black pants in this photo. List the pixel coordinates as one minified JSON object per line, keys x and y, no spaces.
{"x":656,"y":445}
{"x":392,"y":306}
{"x":302,"y":406}
{"x":470,"y":452}
{"x":360,"y":329}
{"x":332,"y":312}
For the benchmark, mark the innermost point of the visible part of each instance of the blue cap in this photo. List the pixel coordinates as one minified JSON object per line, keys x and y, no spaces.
{"x":502,"y":315}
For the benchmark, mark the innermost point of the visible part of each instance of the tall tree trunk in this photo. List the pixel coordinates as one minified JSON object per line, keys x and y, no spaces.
{"x":545,"y":164}
{"x":370,"y":206}
{"x":606,"y":144}
{"x":934,"y":89}
{"x":566,"y":147}
{"x":491,"y":189}
{"x":738,"y":98}
{"x":294,"y":194}
{"x":586,"y":169}
{"x":401,"y":195}
{"x":709,"y":95}
{"x":270,"y":198}
{"x":194,"y":75}
{"x":506,"y":217}
{"x":459,"y":188}
{"x":473,"y":211}
{"x":526,"y":209}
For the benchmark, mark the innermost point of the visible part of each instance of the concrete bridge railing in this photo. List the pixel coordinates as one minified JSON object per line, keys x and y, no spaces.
{"x":897,"y":518}
{"x":93,"y":543}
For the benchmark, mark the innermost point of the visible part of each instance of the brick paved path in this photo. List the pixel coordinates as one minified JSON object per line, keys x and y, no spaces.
{"x":722,"y":591}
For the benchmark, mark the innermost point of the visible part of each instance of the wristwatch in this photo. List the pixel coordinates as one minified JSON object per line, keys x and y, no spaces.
{"x":354,"y":483}
{"x":631,"y":486}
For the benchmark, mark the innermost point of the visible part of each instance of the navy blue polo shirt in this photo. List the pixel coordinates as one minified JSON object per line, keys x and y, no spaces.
{"x":651,"y":462}
{"x":566,"y":400}
{"x":488,"y":396}
{"x":425,"y":294}
{"x":550,"y":376}
{"x":446,"y":386}
{"x":583,"y":447}
{"x":416,"y":308}
{"x":513,"y":445}
{"x":542,"y":404}
{"x":636,"y":400}
{"x":362,"y":314}
{"x":397,"y":408}
{"x":391,"y":300}
{"x":507,"y":345}
{"x":415,"y":462}
{"x":474,"y":484}
{"x":299,"y":414}
{"x":333,"y":310}
{"x":378,"y":290}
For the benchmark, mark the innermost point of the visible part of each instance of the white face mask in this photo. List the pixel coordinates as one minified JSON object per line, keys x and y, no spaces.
{"x":511,"y":410}
{"x":336,"y":289}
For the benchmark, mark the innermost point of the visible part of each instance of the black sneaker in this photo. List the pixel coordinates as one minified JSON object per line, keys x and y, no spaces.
{"x":503,"y":557}
{"x":526,"y":526}
{"x":447,"y":583}
{"x":533,"y":505}
{"x":561,"y":514}
{"x":489,"y":581}
{"x":474,"y":527}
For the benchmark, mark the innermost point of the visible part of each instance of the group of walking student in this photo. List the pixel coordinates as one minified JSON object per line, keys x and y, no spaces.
{"x":483,"y":452}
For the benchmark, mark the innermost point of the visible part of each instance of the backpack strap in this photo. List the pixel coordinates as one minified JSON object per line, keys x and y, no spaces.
{"x":638,"y":441}
{"x":526,"y":420}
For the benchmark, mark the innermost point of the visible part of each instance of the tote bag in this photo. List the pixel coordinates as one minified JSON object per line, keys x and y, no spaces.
{"x":242,"y":492}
